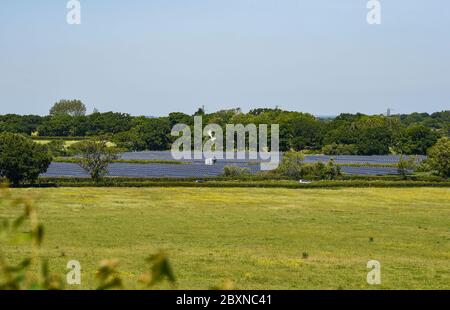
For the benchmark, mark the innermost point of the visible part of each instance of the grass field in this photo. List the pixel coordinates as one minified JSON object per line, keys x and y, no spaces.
{"x":256,"y":238}
{"x":68,"y":143}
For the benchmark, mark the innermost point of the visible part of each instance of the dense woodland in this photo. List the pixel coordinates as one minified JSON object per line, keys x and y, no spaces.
{"x":346,"y":134}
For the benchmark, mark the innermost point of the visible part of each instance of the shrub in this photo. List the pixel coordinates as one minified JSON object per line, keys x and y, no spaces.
{"x":332,"y":171}
{"x":404,"y":165}
{"x":321,"y":171}
{"x":423,"y":166}
{"x":21,"y":159}
{"x":439,"y":157}
{"x":340,"y":149}
{"x":291,"y":165}
{"x":75,"y":148}
{"x":234,"y":171}
{"x":57,"y":148}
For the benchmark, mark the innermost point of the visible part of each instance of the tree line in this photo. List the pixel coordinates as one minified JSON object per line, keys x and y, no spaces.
{"x":346,"y":134}
{"x":22,"y":160}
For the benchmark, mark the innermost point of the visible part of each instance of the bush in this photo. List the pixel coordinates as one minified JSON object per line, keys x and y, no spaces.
{"x":340,"y":149}
{"x":439,"y":157}
{"x":321,"y":171}
{"x":234,"y":171}
{"x":21,"y":159}
{"x":75,"y":148}
{"x":293,"y":167}
{"x":406,"y":164}
{"x":57,"y":148}
{"x":107,"y":182}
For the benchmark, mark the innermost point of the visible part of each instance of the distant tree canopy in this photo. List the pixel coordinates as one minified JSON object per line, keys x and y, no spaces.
{"x":346,"y":134}
{"x":22,"y":160}
{"x":68,"y":107}
{"x":146,"y":134}
{"x":90,"y":125}
{"x":416,"y":139}
{"x":26,"y":124}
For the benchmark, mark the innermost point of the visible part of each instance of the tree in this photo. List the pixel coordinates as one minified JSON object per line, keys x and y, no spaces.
{"x":109,"y":122}
{"x":21,"y":159}
{"x":416,"y":139}
{"x":340,"y":149}
{"x":291,"y":165}
{"x":68,"y":107}
{"x":130,"y":141}
{"x":404,"y":165}
{"x":180,"y":118}
{"x":26,"y":124}
{"x":148,"y":134}
{"x":439,"y":157}
{"x":95,"y":156}
{"x":200,"y":112}
{"x":64,"y":126}
{"x":57,"y":148}
{"x":305,"y":132}
{"x":374,"y":140}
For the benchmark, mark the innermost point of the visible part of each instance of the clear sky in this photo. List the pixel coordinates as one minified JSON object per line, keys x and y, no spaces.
{"x":152,"y":57}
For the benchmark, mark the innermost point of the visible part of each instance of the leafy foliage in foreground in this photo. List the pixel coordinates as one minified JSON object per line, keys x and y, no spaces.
{"x":21,"y":276}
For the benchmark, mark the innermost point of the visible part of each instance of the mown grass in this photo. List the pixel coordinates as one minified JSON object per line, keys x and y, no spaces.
{"x":67,"y":143}
{"x":255,"y":237}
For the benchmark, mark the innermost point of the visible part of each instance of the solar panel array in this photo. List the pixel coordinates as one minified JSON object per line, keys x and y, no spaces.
{"x":340,"y":159}
{"x":197,"y":168}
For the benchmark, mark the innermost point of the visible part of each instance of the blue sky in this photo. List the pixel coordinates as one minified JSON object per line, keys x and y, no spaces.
{"x":153,"y":57}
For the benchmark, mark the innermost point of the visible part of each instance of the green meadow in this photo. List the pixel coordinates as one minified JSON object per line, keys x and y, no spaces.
{"x":67,"y":143}
{"x":254,"y":238}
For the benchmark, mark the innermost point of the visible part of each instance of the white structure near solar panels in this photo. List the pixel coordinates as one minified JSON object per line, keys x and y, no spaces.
{"x":210,"y":161}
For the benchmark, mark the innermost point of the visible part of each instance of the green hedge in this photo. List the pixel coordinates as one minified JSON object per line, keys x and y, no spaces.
{"x":112,"y":182}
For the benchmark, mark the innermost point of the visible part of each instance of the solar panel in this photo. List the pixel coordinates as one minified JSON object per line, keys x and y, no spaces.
{"x":199,"y":169}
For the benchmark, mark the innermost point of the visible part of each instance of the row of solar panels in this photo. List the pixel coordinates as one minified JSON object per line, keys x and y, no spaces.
{"x":183,"y":171}
{"x":340,"y":159}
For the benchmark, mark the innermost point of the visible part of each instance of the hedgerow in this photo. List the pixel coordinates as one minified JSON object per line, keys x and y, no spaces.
{"x":114,"y":182}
